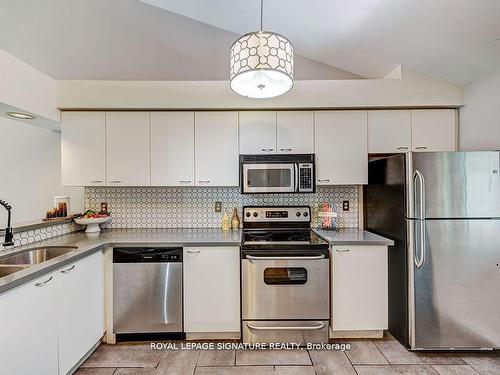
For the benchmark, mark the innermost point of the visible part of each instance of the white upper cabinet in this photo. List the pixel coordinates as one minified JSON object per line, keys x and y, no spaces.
{"x":83,"y":148}
{"x":128,"y":148}
{"x":172,"y":148}
{"x":434,"y":130}
{"x":295,"y":132}
{"x":341,"y":147}
{"x":216,"y":149}
{"x":257,"y":132}
{"x":389,"y":131}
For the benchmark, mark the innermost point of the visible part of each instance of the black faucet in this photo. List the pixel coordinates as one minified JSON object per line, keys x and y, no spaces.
{"x":8,"y":231}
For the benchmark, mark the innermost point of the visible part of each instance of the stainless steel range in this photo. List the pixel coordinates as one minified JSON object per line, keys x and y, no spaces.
{"x":285,"y":276}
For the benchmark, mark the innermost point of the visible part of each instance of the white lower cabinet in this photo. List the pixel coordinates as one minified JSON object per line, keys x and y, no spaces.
{"x":81,"y":309}
{"x":28,"y":326}
{"x":211,"y":289}
{"x":47,"y":325}
{"x":360,"y":288}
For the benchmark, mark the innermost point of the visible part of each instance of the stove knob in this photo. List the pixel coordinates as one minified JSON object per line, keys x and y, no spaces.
{"x":255,"y":214}
{"x":305,"y":213}
{"x":298,"y":214}
{"x":247,"y":214}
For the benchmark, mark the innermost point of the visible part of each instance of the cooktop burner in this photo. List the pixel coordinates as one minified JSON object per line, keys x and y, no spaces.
{"x":281,"y":236}
{"x":280,"y":230}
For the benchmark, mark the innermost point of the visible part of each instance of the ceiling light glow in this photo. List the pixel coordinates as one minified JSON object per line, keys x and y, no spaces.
{"x":20,"y":115}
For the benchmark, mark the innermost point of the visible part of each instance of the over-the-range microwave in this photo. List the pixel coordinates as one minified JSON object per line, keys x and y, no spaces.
{"x":277,"y":174}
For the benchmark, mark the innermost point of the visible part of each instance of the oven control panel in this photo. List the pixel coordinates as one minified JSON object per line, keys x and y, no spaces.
{"x":277,"y":214}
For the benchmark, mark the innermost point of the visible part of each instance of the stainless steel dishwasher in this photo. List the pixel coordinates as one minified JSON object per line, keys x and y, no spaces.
{"x":147,"y":290}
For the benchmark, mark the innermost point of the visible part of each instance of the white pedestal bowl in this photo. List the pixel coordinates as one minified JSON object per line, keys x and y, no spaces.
{"x":92,"y":223}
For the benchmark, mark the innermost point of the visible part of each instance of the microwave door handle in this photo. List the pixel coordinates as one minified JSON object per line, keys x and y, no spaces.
{"x":296,"y":177}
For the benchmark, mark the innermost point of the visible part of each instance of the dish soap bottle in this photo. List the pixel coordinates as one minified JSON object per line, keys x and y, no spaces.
{"x":226,"y":223}
{"x":235,"y":221}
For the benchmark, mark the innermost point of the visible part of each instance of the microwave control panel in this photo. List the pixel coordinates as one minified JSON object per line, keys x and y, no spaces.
{"x":306,"y":177}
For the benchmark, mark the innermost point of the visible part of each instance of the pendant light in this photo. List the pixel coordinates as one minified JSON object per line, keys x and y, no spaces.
{"x":261,"y":64}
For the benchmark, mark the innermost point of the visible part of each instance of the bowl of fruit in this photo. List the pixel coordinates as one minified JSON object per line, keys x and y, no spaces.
{"x":92,"y":220}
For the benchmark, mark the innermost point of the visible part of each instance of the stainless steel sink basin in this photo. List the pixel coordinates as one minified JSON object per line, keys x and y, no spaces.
{"x":36,"y":255}
{"x":7,"y":270}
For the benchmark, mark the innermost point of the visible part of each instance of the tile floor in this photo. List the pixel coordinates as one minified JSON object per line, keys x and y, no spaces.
{"x":366,"y":357}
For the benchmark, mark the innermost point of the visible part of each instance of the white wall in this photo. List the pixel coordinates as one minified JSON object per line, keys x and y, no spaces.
{"x":30,"y":171}
{"x":480,"y":117}
{"x":412,"y":90}
{"x":24,"y":87}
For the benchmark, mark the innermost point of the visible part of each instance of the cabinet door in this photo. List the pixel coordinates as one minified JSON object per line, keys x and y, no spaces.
{"x":80,"y":308}
{"x":128,"y":148}
{"x":216,"y":149}
{"x":211,"y":289}
{"x":389,"y":131}
{"x":172,"y":148}
{"x":28,"y":326}
{"x":359,"y":291}
{"x":341,"y":147}
{"x":433,"y":130}
{"x":295,"y":132}
{"x":83,"y":158}
{"x":257,"y":132}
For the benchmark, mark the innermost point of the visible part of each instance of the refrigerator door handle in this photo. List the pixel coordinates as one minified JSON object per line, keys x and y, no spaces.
{"x":419,"y":198}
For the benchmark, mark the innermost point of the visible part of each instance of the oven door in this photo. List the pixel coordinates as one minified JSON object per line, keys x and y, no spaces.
{"x":269,"y":178}
{"x":285,"y":287}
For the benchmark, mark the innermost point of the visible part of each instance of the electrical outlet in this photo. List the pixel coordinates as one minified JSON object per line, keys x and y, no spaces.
{"x":345,"y":205}
{"x":218,"y":206}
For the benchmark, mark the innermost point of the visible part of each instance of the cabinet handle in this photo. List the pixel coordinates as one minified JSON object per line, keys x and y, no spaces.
{"x":342,"y":250}
{"x":204,"y":181}
{"x":421,"y":148}
{"x":68,"y":270}
{"x":323,"y":180}
{"x":286,"y":149}
{"x":96,"y":182}
{"x":193,"y":252}
{"x":402,"y":148}
{"x":185,"y":181}
{"x":44,"y":282}
{"x":115,"y":182}
{"x":268,"y":149}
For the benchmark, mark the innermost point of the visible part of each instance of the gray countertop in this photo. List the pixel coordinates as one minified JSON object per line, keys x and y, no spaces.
{"x":353,"y":236}
{"x":88,"y":244}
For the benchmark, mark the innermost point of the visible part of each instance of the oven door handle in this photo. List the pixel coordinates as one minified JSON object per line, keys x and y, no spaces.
{"x":322,"y":256}
{"x":287,"y":328}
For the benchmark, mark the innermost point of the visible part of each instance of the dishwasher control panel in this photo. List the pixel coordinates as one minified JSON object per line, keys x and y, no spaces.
{"x":147,"y":254}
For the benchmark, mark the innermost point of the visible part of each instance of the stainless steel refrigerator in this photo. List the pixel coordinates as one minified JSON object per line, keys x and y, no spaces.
{"x":442,"y":209}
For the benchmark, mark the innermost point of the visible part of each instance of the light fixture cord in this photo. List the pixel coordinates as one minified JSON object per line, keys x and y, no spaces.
{"x":261,"y":13}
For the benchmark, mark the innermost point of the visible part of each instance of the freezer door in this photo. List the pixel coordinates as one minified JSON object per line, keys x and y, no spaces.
{"x":455,"y":184}
{"x":454,"y":300}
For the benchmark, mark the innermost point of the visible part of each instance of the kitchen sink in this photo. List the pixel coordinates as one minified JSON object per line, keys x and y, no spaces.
{"x":36,"y":256}
{"x":7,"y":270}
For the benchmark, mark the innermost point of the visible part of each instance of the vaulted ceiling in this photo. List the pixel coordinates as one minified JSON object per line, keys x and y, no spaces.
{"x":456,"y":40}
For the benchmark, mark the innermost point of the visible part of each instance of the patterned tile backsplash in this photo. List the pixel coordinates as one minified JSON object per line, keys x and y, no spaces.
{"x":193,"y":207}
{"x":39,"y":234}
